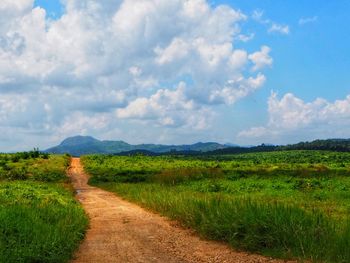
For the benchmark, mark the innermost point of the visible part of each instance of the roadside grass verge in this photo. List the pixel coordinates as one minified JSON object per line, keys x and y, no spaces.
{"x":39,"y":222}
{"x":273,"y":229}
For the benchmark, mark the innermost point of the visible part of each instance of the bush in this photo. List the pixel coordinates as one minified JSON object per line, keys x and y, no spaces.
{"x":17,"y":174}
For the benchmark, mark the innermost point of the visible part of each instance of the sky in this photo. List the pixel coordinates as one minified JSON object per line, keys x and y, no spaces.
{"x":173,"y":72}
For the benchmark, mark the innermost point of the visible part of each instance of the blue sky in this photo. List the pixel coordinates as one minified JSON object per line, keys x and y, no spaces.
{"x":247,"y":72}
{"x":54,"y":8}
{"x":313,"y":59}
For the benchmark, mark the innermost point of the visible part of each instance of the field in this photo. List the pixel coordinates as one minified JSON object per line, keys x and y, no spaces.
{"x":288,"y":204}
{"x":40,"y":221}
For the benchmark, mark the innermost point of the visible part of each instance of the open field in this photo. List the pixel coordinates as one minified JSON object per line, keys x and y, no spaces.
{"x":286,"y":204}
{"x":40,"y":221}
{"x":33,"y":166}
{"x":121,"y":231}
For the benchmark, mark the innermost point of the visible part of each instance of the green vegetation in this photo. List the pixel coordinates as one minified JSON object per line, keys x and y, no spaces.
{"x":341,"y":145}
{"x":33,"y":166}
{"x":292,"y":204}
{"x":40,"y":221}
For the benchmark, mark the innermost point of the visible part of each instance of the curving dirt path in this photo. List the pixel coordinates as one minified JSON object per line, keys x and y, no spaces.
{"x":123,"y":232}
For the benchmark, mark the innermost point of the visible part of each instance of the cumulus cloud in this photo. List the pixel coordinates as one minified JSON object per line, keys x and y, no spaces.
{"x":236,"y":89}
{"x":169,"y":108}
{"x":166,"y":63}
{"x":291,"y":117}
{"x":261,"y":58}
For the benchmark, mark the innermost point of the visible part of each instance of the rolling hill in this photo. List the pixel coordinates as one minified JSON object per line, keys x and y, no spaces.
{"x":80,"y":145}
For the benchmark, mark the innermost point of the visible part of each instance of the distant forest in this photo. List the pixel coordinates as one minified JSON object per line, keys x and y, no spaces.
{"x":338,"y":145}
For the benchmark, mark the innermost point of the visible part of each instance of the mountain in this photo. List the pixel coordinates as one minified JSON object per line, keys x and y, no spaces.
{"x":80,"y":145}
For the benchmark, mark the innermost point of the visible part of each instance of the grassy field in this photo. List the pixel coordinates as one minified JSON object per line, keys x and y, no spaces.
{"x":286,"y":204}
{"x":40,"y":221}
{"x":33,"y":166}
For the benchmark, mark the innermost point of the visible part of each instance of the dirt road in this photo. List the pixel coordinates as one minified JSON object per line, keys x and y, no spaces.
{"x":124,"y":232}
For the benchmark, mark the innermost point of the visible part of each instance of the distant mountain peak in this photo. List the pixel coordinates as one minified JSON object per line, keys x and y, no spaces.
{"x":78,"y":140}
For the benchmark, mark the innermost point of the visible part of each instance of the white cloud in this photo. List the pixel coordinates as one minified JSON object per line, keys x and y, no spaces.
{"x":245,"y":38}
{"x":277,"y":28}
{"x":258,"y":14}
{"x":177,"y":50}
{"x":236,"y":89}
{"x":79,"y":123}
{"x":308,"y":20}
{"x":292,"y":118}
{"x":273,"y":27}
{"x":102,"y":57}
{"x":169,"y":108}
{"x":261,"y":58}
{"x":238,"y":59}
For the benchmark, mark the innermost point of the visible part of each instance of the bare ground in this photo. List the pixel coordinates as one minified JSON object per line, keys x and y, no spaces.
{"x":124,"y":232}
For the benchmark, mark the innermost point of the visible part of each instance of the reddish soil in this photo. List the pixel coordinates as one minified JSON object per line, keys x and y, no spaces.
{"x":124,"y":232}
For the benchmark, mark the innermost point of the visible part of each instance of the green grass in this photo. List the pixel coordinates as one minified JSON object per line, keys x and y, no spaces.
{"x":284,"y":204}
{"x":49,"y":169}
{"x":292,"y":163}
{"x":274,"y":229}
{"x":40,"y":221}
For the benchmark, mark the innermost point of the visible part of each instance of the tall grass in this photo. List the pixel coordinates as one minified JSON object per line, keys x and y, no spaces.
{"x":292,"y":204}
{"x":273,"y":229}
{"x":39,"y":223}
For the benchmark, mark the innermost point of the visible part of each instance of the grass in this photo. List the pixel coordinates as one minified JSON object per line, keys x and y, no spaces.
{"x":49,"y":169}
{"x":288,"y":205}
{"x":40,"y":221}
{"x":271,"y":228}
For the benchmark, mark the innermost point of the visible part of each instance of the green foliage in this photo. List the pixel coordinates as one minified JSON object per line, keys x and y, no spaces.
{"x":38,"y":223}
{"x":341,"y":145}
{"x":146,"y":168}
{"x":33,"y":166}
{"x":292,"y":204}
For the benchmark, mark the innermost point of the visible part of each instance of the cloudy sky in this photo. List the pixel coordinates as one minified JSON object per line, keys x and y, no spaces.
{"x":179,"y":71}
